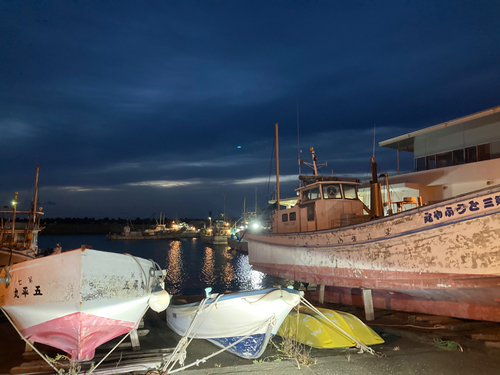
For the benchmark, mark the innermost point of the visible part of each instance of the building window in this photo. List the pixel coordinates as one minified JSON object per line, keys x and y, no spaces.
{"x":483,"y":152}
{"x":431,"y":162}
{"x":293,"y":216}
{"x":444,"y":160}
{"x":470,"y":154}
{"x":495,"y":150}
{"x":310,"y":213}
{"x":284,"y":218}
{"x":458,"y":157}
{"x":420,"y":164}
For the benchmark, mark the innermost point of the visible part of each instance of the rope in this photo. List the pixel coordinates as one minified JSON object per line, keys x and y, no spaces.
{"x":268,"y":322}
{"x":359,"y":344}
{"x":116,"y":346}
{"x":178,"y":355}
{"x":28,"y":342}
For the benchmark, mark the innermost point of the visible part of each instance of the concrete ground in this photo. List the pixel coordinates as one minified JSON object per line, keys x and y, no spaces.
{"x":407,"y":350}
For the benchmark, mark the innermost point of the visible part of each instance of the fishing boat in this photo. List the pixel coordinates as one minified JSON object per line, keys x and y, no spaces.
{"x":238,"y":244}
{"x":217,"y":231}
{"x":325,"y":329}
{"x":79,"y":299}
{"x":19,"y":240}
{"x":246,"y":319}
{"x":441,"y":257}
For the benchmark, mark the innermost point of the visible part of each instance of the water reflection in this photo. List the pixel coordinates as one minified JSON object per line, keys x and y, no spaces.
{"x":209,"y":266}
{"x":227,"y":269}
{"x":175,"y":269}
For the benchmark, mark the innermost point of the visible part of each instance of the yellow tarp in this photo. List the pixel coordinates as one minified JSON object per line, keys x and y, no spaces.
{"x":315,"y":331}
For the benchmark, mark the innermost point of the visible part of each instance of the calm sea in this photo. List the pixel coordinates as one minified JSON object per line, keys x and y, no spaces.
{"x":191,"y":264}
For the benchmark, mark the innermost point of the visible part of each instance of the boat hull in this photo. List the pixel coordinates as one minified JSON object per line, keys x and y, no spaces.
{"x":9,"y":256}
{"x":214,"y":240}
{"x":238,"y":245}
{"x":78,"y":300}
{"x":312,"y":329}
{"x":224,"y":321}
{"x":446,"y":255}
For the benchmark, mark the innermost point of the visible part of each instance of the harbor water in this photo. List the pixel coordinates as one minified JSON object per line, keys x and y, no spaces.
{"x":191,"y":264}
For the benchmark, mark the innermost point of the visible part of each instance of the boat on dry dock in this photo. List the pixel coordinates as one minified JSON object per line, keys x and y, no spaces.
{"x":441,"y":257}
{"x":77,"y":300}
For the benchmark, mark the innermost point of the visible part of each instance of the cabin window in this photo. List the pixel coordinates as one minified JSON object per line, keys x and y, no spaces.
{"x":350,"y":191}
{"x":312,"y":193}
{"x":284,"y":217}
{"x":310,"y":213}
{"x":293,"y":216}
{"x":332,"y":191}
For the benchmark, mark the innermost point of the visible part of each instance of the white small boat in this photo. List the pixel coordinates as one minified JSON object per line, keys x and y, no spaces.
{"x":251,"y":316}
{"x":78,"y":300}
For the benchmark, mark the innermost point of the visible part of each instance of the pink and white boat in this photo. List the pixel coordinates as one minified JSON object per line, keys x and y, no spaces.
{"x":78,"y":300}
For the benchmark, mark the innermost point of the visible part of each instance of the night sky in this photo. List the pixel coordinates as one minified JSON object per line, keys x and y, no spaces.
{"x":132,"y":108}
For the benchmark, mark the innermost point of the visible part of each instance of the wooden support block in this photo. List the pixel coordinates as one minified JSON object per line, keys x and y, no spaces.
{"x":321,"y":294}
{"x":28,"y":347}
{"x":368,"y":301}
{"x":134,"y":338}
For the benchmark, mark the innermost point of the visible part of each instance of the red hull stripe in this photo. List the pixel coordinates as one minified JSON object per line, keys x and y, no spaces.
{"x":78,"y":334}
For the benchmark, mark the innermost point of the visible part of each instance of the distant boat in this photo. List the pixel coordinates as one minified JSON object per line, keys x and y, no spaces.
{"x":159,"y":232}
{"x":225,"y":319}
{"x":19,"y":240}
{"x":217,"y":232}
{"x":79,"y":299}
{"x":312,"y":329}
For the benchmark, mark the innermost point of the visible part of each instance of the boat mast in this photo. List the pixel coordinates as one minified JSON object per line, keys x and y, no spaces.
{"x":314,"y":162}
{"x":14,"y":203}
{"x":35,"y":197}
{"x":277,"y":171}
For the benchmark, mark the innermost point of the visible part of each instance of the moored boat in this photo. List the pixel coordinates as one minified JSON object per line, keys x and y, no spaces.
{"x":79,"y":299}
{"x":217,"y":232}
{"x":19,"y":240}
{"x":238,"y":244}
{"x":250,"y":316}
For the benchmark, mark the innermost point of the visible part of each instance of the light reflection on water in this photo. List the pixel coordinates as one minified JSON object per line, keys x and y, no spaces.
{"x":191,"y":265}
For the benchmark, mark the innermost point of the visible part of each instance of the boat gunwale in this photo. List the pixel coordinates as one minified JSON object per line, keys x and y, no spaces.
{"x":234,"y":295}
{"x":399,"y":215}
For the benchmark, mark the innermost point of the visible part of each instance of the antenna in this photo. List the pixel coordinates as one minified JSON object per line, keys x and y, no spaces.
{"x":373,"y":140}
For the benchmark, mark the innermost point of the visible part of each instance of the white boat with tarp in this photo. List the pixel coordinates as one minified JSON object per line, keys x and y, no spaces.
{"x":77,"y":300}
{"x":241,"y":322}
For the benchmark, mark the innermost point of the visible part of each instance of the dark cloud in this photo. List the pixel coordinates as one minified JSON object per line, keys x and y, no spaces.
{"x":131,"y":108}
